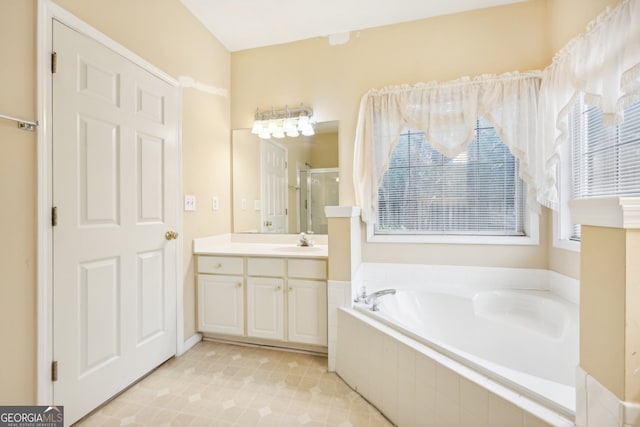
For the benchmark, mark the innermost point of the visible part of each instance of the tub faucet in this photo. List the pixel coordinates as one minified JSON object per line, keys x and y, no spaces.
{"x":373,"y":298}
{"x":304,"y":241}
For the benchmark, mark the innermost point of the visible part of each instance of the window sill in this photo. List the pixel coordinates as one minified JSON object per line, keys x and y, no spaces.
{"x":532,"y":228}
{"x":567,"y":245}
{"x":453,"y":239}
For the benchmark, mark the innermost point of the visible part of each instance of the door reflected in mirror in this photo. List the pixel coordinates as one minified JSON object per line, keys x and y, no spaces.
{"x":282,"y":185}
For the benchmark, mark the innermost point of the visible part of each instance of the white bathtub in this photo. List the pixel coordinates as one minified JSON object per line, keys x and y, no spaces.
{"x":512,"y":331}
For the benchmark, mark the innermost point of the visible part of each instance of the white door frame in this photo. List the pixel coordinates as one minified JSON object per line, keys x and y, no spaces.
{"x":47,"y":11}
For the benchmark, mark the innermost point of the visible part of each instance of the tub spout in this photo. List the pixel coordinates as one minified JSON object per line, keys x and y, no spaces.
{"x":373,"y":298}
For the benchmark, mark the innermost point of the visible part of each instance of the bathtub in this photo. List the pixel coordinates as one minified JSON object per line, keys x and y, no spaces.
{"x":500,"y":345}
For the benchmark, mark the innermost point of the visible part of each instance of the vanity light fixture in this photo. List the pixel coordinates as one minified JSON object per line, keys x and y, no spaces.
{"x":291,"y":122}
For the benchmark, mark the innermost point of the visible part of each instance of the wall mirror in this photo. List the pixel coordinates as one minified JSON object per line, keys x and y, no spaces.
{"x":281,"y":185}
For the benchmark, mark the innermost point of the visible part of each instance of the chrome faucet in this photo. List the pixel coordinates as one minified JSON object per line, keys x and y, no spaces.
{"x":304,"y":241}
{"x":373,"y":298}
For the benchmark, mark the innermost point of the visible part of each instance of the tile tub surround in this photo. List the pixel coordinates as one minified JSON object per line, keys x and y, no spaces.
{"x":414,"y":385}
{"x":598,"y":407}
{"x":218,"y":384}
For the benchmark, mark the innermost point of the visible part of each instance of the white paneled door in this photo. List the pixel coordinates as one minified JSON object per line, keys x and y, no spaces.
{"x":274,"y":186}
{"x":115,"y":186}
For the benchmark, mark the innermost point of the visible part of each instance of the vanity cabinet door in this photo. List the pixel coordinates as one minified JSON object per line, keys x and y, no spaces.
{"x":265,"y":307}
{"x":307,"y":310}
{"x":220,"y":304}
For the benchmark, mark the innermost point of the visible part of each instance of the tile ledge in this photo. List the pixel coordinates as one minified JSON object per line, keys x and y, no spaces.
{"x":615,"y":212}
{"x":342,"y":211}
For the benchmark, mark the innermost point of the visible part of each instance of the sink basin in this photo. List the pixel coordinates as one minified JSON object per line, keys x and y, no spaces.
{"x":299,"y":249}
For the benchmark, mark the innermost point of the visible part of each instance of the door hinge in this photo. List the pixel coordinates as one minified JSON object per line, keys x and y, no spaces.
{"x":286,"y":211}
{"x":54,"y":216}
{"x":54,"y":62}
{"x":54,"y":370}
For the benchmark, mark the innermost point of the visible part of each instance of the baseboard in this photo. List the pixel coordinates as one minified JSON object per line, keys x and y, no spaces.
{"x":188,"y":344}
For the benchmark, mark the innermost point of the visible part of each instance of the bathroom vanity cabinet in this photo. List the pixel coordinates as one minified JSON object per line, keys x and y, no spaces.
{"x":274,"y":300}
{"x":221,"y":295}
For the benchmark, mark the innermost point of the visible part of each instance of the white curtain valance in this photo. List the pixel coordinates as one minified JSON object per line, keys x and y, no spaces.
{"x":447,"y":114}
{"x":604,"y":65}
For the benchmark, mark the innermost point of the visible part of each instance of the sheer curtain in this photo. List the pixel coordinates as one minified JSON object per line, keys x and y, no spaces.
{"x":604,"y":65}
{"x":447,"y":114}
{"x":530,"y":116}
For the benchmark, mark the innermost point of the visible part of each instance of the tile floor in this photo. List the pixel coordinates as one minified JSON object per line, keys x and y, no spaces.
{"x":217,"y":384}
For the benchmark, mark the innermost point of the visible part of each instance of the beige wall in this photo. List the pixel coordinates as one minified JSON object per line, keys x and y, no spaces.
{"x":632,"y":323}
{"x":246,"y":180}
{"x":568,"y":18}
{"x":602,"y":306}
{"x":18,"y":213}
{"x":332,"y":79}
{"x":164,"y":33}
{"x":324,"y":151}
{"x":609,"y":316}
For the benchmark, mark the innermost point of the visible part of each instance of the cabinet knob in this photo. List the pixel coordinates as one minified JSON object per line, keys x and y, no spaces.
{"x":218,"y":265}
{"x":278,"y":287}
{"x":238,"y":285}
{"x":290,"y":289}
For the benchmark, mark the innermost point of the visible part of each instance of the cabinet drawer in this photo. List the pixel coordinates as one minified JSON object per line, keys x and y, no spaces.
{"x":308,"y":268}
{"x":220,"y":265}
{"x":265,"y":267}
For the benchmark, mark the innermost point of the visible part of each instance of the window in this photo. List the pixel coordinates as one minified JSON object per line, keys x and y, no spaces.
{"x":605,"y":160}
{"x":476,"y":193}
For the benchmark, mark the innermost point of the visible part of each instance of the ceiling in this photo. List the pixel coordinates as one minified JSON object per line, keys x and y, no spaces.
{"x":247,"y":24}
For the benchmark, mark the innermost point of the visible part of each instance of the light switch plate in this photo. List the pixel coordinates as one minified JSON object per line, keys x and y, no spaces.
{"x":215,"y":203}
{"x":189,"y":203}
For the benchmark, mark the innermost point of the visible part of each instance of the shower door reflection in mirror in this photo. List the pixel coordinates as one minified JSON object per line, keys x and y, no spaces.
{"x":319,"y":188}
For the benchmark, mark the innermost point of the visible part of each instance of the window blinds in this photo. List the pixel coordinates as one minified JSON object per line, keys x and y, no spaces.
{"x":477,"y":192}
{"x":605,"y":159}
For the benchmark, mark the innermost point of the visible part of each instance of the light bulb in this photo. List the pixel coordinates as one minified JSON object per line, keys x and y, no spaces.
{"x":289,"y":124}
{"x":264,"y":133}
{"x":278,"y":132}
{"x":257,"y":126}
{"x":303,"y":121}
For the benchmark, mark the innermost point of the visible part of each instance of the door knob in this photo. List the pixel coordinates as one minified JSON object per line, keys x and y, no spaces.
{"x":171,"y":235}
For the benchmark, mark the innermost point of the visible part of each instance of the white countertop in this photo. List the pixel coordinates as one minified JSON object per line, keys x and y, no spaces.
{"x":222,"y":245}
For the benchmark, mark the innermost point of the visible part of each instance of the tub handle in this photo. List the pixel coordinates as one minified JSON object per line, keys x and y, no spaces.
{"x":362,"y":295}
